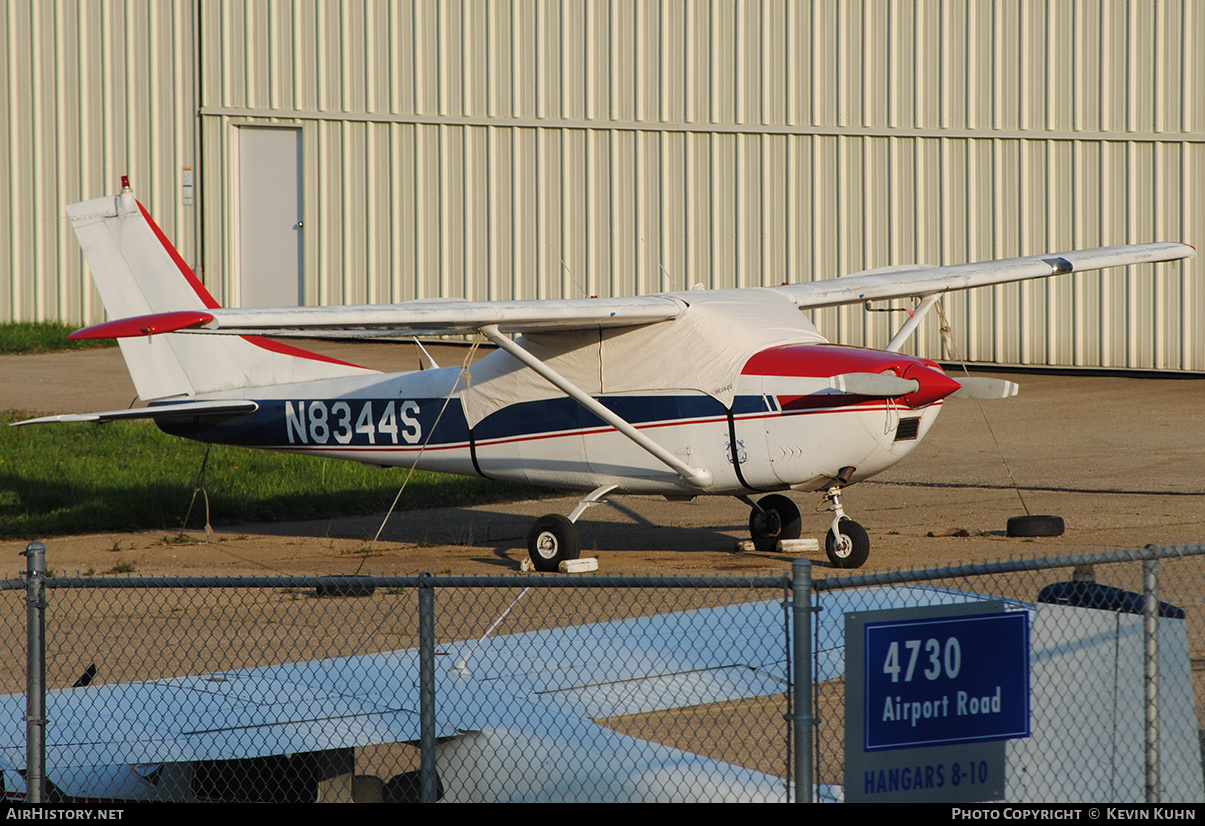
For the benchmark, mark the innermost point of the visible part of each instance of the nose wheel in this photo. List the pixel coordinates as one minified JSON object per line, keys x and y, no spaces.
{"x":850,"y":547}
{"x":847,"y":543}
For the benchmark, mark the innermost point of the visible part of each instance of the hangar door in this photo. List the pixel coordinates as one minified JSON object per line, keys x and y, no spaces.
{"x":269,"y":226}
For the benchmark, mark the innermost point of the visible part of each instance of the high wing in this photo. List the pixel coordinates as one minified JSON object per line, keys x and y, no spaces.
{"x":411,"y":318}
{"x":441,"y":316}
{"x":909,"y":281}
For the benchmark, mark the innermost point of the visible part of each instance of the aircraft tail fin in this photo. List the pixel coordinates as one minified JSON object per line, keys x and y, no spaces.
{"x":138,"y":272}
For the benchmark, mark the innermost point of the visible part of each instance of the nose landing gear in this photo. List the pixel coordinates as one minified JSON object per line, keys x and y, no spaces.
{"x":847,"y":544}
{"x":776,"y":517}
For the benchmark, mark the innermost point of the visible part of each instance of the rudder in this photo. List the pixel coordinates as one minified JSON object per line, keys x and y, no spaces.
{"x":138,"y":272}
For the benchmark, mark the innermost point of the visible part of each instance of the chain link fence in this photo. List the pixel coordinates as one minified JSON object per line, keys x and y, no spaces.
{"x":568,"y":688}
{"x":291,"y":690}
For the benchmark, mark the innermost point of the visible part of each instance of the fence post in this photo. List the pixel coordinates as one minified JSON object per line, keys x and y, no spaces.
{"x":801,"y":655}
{"x":1150,"y":638}
{"x":35,"y":673}
{"x":428,"y":780}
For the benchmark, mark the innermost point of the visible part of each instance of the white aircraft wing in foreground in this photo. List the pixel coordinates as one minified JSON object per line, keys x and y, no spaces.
{"x":514,"y":714}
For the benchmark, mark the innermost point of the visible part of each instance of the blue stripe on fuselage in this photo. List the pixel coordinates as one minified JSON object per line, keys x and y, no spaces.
{"x":387,"y":423}
{"x":561,"y":415}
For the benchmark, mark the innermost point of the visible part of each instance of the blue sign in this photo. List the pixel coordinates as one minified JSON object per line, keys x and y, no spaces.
{"x":946,"y":680}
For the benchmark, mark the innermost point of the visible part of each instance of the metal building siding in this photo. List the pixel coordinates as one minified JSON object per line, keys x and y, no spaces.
{"x":538,"y":148}
{"x":94,"y":91}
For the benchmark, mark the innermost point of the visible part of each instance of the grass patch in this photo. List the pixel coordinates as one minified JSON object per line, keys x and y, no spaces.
{"x":27,"y":337}
{"x":125,"y":476}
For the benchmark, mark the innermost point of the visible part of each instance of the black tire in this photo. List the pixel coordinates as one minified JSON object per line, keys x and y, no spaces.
{"x":857,"y":555}
{"x":777,"y":519}
{"x":551,"y":540}
{"x":1036,"y":526}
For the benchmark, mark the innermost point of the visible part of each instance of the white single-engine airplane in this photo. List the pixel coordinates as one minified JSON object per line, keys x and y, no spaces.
{"x":724,"y":392}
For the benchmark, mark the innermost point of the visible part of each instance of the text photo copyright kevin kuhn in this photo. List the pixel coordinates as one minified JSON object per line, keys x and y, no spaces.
{"x":1031,"y":813}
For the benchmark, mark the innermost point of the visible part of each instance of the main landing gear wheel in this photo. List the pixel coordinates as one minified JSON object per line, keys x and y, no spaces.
{"x":851,"y":548}
{"x":778,"y":518}
{"x":551,"y":540}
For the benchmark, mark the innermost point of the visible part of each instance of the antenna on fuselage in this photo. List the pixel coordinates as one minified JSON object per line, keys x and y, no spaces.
{"x":434,"y":366}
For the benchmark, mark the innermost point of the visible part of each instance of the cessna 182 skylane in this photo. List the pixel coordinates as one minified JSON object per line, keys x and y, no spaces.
{"x":724,"y":392}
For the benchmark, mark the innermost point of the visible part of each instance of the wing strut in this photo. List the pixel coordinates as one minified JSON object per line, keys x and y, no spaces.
{"x":695,"y":477}
{"x":901,"y":335}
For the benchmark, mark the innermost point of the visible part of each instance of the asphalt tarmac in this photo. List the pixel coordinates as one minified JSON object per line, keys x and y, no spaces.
{"x":1121,"y":459}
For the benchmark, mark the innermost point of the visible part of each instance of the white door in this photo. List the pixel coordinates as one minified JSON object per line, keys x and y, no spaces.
{"x":269,"y":227}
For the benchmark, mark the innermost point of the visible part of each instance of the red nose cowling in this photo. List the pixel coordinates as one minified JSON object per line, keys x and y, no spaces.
{"x":827,"y":360}
{"x":934,"y":385}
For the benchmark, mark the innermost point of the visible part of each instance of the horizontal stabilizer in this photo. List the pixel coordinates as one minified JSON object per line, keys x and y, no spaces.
{"x":985,"y":388}
{"x":224,"y":408}
{"x":885,"y":385}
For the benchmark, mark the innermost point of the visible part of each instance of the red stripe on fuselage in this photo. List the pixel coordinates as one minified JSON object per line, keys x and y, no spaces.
{"x":871,"y":405}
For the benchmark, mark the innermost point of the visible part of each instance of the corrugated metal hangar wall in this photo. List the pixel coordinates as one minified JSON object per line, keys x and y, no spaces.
{"x":525,"y":149}
{"x":94,"y":90}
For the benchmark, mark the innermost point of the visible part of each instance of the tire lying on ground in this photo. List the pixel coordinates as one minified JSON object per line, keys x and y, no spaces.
{"x":1036,"y":526}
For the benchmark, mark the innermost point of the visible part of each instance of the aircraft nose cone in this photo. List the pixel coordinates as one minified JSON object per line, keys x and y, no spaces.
{"x":934,"y":385}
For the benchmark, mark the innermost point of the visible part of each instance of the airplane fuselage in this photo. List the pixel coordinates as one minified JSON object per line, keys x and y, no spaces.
{"x":785,"y":429}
